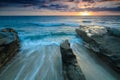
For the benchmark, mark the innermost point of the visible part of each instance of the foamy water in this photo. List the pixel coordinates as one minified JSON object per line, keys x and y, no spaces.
{"x":35,"y":62}
{"x":40,"y":58}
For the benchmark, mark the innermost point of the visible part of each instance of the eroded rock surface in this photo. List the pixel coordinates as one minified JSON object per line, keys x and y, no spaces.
{"x":114,"y":31}
{"x":9,"y":45}
{"x":71,"y":70}
{"x":104,"y":42}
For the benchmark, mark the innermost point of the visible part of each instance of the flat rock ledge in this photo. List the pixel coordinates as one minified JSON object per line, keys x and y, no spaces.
{"x":71,"y":70}
{"x":104,"y":42}
{"x":9,"y":45}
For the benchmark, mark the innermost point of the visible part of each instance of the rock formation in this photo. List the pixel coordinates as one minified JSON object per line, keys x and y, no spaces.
{"x":114,"y":31}
{"x":104,"y":42}
{"x":71,"y":70}
{"x":9,"y":45}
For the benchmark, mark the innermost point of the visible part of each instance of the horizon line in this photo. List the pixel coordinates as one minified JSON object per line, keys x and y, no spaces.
{"x":61,"y":15}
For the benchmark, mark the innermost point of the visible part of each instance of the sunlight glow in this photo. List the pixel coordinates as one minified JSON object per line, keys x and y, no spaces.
{"x":85,"y":13}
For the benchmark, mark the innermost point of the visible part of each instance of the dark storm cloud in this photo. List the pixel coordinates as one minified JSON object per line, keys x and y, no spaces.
{"x":32,"y":1}
{"x":60,"y":4}
{"x":118,"y":4}
{"x":93,"y":1}
{"x":48,"y":4}
{"x":45,"y":1}
{"x":100,"y":0}
{"x":23,"y":1}
{"x":104,"y":9}
{"x":53,"y":6}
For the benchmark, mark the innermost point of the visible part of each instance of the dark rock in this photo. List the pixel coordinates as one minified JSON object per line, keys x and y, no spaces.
{"x":101,"y":41}
{"x":114,"y":31}
{"x":9,"y":45}
{"x":71,"y":70}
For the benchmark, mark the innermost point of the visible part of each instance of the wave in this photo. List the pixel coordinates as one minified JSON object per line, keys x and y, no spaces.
{"x":86,"y":21}
{"x":28,"y":44}
{"x":45,"y":24}
{"x":37,"y":36}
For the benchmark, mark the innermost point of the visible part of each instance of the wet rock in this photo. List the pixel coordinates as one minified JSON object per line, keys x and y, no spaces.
{"x":71,"y":70}
{"x":114,"y":31}
{"x":103,"y":42}
{"x":9,"y":45}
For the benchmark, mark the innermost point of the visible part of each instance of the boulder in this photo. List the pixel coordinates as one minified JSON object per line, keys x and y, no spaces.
{"x":9,"y":45}
{"x":103,"y":42}
{"x":71,"y":70}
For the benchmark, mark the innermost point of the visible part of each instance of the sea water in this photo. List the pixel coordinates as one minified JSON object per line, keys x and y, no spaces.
{"x":40,"y":37}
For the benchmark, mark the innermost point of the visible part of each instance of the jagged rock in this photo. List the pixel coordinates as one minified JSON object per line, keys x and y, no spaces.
{"x":9,"y":45}
{"x":71,"y":70}
{"x":114,"y":31}
{"x":103,"y":43}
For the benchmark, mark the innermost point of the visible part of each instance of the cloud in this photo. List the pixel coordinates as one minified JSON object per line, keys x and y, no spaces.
{"x":61,"y":5}
{"x":104,"y":9}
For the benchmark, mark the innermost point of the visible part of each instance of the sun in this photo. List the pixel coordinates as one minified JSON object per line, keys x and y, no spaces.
{"x":85,"y":13}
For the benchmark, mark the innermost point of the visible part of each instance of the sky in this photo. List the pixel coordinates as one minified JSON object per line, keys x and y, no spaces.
{"x":59,"y":7}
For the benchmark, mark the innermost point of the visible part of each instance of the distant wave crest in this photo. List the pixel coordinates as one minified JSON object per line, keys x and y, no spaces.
{"x":54,"y":24}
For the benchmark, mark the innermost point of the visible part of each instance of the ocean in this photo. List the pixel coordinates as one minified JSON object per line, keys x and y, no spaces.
{"x":40,"y":36}
{"x":54,"y":28}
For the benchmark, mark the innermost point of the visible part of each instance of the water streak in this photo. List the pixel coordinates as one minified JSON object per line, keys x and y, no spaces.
{"x":43,"y":62}
{"x":91,"y":67}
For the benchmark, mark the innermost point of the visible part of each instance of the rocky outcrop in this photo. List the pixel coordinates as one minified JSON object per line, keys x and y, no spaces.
{"x":104,"y":42}
{"x":114,"y":31}
{"x":9,"y":45}
{"x":71,"y":70}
